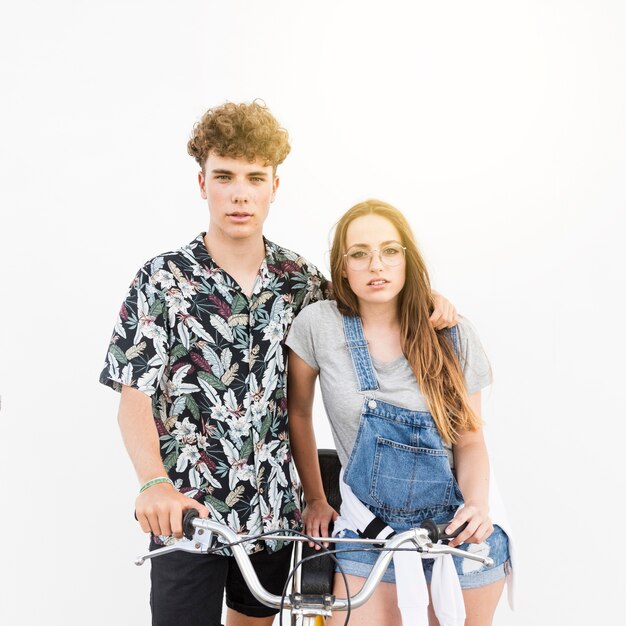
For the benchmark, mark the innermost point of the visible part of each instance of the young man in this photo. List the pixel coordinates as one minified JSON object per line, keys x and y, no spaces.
{"x":197,"y":353}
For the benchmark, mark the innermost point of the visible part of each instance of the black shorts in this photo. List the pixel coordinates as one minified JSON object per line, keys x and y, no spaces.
{"x":189,"y":588}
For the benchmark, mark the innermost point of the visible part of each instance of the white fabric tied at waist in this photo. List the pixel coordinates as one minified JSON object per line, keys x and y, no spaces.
{"x":411,"y":587}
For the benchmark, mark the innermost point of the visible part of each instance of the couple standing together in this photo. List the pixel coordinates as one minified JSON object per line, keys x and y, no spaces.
{"x":199,"y":353}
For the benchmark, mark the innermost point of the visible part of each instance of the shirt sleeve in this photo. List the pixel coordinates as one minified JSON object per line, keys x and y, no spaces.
{"x":317,"y":288}
{"x":326,"y":287}
{"x":137,"y":354}
{"x":300,"y":337}
{"x":474,"y":361}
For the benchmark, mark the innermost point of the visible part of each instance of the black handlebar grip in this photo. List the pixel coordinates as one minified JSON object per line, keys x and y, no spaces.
{"x":437,"y":531}
{"x":188,"y":527}
{"x":432,"y":528}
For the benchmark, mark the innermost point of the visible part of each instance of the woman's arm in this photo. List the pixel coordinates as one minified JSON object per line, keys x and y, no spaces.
{"x":472,"y":473}
{"x":318,"y":514}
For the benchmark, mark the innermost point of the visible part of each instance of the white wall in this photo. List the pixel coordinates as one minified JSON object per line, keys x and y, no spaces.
{"x":498,"y":127}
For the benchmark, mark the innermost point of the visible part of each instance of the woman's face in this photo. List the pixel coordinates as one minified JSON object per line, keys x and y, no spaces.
{"x":375,"y":264}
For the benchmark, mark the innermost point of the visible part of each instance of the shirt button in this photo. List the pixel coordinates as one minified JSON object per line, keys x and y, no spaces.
{"x":372,"y":404}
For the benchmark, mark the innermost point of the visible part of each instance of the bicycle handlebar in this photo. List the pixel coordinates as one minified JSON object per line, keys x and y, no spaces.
{"x":437,"y":532}
{"x":199,"y":534}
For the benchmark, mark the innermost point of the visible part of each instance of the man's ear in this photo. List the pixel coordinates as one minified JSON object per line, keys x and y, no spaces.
{"x":275,"y":184}
{"x":201,"y":181}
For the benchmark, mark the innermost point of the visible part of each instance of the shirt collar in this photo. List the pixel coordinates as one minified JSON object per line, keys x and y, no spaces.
{"x":202,"y":256}
{"x":201,"y":253}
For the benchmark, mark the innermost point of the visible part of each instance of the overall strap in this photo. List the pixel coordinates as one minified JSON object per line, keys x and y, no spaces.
{"x":357,"y":344}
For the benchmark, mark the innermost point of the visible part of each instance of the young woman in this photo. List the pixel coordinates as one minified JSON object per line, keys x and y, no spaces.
{"x":403,"y":402}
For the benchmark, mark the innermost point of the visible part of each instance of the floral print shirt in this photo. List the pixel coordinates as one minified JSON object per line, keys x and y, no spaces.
{"x":213,"y":362}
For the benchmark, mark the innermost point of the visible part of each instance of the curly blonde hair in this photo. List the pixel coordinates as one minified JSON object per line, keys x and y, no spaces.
{"x":245,"y":130}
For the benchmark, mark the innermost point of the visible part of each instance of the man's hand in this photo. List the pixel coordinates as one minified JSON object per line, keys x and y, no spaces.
{"x":444,"y":314}
{"x":160,"y":510}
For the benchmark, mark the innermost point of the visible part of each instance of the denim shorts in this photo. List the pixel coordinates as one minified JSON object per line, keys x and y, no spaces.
{"x":471,"y":573}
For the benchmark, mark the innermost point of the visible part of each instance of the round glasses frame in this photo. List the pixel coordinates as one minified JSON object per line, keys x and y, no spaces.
{"x":391,"y":255}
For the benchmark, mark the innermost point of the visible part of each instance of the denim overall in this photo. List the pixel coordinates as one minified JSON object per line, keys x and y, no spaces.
{"x":399,"y":467}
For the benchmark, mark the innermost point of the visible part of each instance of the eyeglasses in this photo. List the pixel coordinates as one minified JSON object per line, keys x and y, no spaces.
{"x":391,"y":255}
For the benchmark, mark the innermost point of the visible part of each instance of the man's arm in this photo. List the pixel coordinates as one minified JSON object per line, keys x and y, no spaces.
{"x":159,"y":508}
{"x":444,"y":313}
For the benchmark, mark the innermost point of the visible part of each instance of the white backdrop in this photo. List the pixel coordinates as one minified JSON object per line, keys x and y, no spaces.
{"x":499,"y":128}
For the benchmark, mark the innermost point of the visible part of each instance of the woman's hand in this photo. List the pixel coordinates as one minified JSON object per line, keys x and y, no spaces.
{"x":317,"y":517}
{"x":479,"y":525}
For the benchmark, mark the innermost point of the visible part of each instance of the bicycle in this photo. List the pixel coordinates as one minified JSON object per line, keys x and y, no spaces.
{"x":203,"y":536}
{"x":311,"y":599}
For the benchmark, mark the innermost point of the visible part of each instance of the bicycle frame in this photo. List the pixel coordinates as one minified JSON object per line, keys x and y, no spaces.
{"x":309,"y":608}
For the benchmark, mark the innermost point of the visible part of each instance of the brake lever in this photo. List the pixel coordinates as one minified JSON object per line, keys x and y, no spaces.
{"x":200,"y":543}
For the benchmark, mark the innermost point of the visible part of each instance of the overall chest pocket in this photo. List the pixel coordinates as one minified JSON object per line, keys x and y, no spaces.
{"x":406,"y":479}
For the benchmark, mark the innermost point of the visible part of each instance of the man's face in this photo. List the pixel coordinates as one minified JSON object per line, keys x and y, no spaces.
{"x":239,"y":194}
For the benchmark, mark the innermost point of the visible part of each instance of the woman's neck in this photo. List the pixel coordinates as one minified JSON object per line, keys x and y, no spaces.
{"x":381,"y":326}
{"x":381,"y":316}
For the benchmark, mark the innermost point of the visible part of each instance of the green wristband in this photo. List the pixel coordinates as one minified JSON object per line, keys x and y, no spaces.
{"x":156,"y":481}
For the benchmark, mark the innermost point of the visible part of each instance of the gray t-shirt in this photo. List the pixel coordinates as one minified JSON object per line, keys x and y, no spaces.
{"x":317,"y":337}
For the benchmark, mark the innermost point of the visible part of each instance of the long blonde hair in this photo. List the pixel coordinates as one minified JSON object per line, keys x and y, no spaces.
{"x":430,"y":353}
